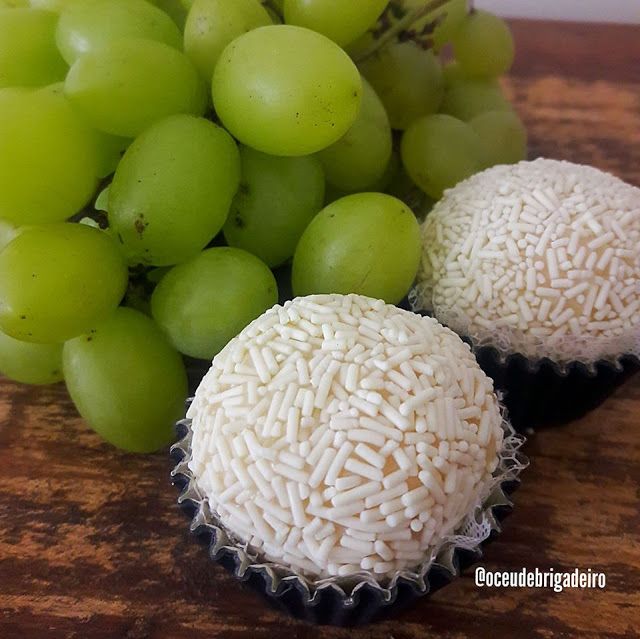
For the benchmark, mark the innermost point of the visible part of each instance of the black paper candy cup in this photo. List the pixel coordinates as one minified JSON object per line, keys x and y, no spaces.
{"x":543,"y":393}
{"x":338,"y":601}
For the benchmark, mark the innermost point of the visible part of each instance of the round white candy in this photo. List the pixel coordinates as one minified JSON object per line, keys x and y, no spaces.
{"x":369,"y":442}
{"x":540,"y":258}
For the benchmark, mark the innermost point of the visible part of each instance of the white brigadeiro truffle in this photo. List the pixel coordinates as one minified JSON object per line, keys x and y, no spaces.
{"x":540,"y":258}
{"x":339,"y":434}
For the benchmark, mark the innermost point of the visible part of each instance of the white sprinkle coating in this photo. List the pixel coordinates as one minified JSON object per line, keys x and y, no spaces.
{"x":324,"y":474}
{"x":568,"y":288}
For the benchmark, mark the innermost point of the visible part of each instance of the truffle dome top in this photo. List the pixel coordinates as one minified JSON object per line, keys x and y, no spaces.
{"x":338,"y":434}
{"x":540,"y":258}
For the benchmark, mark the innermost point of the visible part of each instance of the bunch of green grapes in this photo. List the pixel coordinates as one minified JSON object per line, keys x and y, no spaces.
{"x":159,"y":158}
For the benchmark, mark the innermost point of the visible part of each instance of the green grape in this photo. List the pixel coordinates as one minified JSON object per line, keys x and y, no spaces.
{"x":447,"y":19}
{"x":30,"y":363}
{"x":126,"y":381}
{"x":57,"y":280}
{"x":286,"y":90}
{"x":439,"y":151}
{"x":483,"y":45}
{"x":341,"y":21}
{"x":49,"y":160}
{"x":125,"y":86}
{"x":464,"y":99}
{"x":359,"y":159}
{"x":453,"y":74}
{"x":207,"y":301}
{"x":172,"y":191}
{"x":408,"y":80}
{"x":367,"y":243}
{"x":213,"y":24}
{"x":7,"y":232}
{"x":177,"y":10}
{"x":28,"y":53}
{"x":503,"y":137}
{"x":90,"y":24}
{"x":13,"y":4}
{"x":109,"y":148}
{"x":276,"y":201}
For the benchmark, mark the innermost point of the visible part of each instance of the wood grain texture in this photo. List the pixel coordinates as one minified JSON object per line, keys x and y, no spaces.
{"x":92,"y":544}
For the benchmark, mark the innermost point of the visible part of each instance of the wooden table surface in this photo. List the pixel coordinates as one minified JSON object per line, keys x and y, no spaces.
{"x":92,"y":544}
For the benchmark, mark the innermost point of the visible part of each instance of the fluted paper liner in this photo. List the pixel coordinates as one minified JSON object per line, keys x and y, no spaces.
{"x":360,"y":598}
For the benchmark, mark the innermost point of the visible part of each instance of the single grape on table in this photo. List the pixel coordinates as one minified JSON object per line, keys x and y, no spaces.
{"x":158,"y":158}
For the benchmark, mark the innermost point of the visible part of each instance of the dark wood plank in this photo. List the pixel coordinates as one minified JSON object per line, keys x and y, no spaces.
{"x":93,"y":545}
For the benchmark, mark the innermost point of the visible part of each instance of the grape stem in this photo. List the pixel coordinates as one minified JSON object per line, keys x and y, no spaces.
{"x":402,"y":25}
